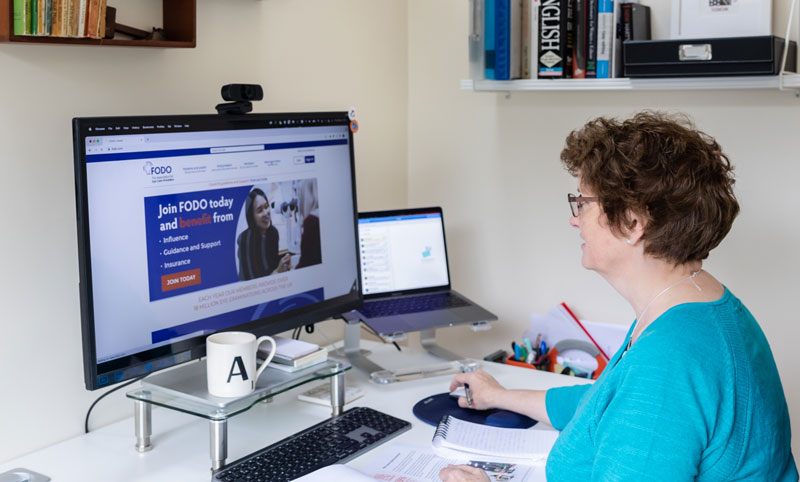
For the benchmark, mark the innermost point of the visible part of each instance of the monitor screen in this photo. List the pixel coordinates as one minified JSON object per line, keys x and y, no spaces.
{"x":192,"y":224}
{"x":402,"y":251}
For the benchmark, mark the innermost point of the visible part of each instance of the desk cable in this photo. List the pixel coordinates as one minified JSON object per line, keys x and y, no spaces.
{"x":86,"y":423}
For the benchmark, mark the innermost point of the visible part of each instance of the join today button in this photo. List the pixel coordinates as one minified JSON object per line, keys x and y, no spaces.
{"x":183,"y":279}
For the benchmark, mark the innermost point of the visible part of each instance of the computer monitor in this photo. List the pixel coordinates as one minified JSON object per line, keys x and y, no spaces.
{"x":192,"y":224}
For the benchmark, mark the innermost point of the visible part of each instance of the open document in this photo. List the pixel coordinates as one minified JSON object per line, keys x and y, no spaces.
{"x":406,"y":463}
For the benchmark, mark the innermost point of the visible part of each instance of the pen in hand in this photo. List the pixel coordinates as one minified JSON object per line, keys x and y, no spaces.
{"x":468,"y":393}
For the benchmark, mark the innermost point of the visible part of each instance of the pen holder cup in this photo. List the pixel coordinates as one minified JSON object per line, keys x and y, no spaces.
{"x":511,"y":361}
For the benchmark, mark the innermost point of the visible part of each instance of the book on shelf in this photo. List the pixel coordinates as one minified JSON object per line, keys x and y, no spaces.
{"x":19,"y":17}
{"x":60,"y":18}
{"x":488,"y":39}
{"x":81,"y":30}
{"x":530,"y":38}
{"x":455,"y":438}
{"x":606,"y":32}
{"x":554,"y":39}
{"x":552,"y":58}
{"x":580,"y":23}
{"x":635,"y":21}
{"x":591,"y":39}
{"x":476,"y":41}
{"x":502,"y":39}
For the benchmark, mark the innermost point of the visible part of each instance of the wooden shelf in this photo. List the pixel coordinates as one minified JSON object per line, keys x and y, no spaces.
{"x":179,"y":23}
{"x":790,"y":82}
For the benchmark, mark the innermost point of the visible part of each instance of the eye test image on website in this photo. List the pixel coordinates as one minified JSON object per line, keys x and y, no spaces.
{"x":198,"y":231}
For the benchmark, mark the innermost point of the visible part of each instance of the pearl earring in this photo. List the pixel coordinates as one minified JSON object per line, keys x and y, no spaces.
{"x":628,"y":241}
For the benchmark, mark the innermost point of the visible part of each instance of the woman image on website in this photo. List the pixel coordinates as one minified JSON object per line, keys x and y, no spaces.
{"x":258,"y":244}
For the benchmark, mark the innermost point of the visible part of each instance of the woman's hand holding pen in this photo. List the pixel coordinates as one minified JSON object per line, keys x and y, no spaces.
{"x":486,"y":391}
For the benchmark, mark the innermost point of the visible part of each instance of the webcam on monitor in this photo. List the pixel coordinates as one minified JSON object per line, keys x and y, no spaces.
{"x":241,"y":97}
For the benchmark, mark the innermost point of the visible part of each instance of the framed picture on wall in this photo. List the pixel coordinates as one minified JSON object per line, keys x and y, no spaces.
{"x":720,"y":18}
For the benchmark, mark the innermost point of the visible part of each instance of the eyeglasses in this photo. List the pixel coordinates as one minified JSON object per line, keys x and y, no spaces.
{"x":577,"y":202}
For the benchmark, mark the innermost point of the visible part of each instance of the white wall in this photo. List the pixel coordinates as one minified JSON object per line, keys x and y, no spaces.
{"x":307,"y":54}
{"x":493,"y":164}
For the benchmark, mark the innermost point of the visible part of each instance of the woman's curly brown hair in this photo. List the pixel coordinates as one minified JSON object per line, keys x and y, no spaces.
{"x":662,"y":168}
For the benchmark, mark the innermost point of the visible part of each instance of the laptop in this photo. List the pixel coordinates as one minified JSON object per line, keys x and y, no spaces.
{"x":405,"y":276}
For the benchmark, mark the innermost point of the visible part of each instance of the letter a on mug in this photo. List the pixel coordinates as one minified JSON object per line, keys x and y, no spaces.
{"x":237,"y":362}
{"x":231,"y":365}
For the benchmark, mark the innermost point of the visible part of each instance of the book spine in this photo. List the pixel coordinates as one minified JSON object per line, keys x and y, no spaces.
{"x":605,"y":36}
{"x":82,"y":19}
{"x":69,"y":7}
{"x":579,"y":52}
{"x":34,"y":17}
{"x":591,"y":38}
{"x":477,"y":68}
{"x":26,"y":17}
{"x":48,"y":17}
{"x":502,"y":43}
{"x":552,"y":38}
{"x":640,"y":22}
{"x":75,"y":18}
{"x":65,"y":17}
{"x":515,"y":40}
{"x":101,"y":21}
{"x":55,"y":18}
{"x":569,"y":34}
{"x":19,"y":17}
{"x":616,"y":43}
{"x":91,"y":18}
{"x":526,"y":39}
{"x":42,"y":23}
{"x":534,"y":34}
{"x":627,"y":24}
{"x":488,"y":23}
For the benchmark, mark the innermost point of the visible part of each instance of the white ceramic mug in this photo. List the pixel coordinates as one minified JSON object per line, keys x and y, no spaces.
{"x":231,"y":362}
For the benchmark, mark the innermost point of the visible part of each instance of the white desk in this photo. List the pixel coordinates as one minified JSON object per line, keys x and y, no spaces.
{"x":180,"y":441}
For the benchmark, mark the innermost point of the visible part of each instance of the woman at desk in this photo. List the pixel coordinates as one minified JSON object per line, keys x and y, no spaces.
{"x":258,"y":244}
{"x":693,"y":393}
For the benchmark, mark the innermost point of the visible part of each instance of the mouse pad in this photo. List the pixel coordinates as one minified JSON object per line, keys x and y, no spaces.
{"x":431,"y":410}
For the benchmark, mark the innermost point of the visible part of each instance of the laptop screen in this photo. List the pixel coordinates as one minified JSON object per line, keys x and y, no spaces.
{"x":402,"y":252}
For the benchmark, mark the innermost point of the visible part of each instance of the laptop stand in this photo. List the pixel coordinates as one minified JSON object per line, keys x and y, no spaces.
{"x":358,"y":358}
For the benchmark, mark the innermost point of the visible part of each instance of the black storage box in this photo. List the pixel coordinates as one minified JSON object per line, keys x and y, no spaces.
{"x":707,"y":57}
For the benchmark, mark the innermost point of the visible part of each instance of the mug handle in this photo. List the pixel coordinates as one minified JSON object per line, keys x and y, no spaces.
{"x":271,"y":353}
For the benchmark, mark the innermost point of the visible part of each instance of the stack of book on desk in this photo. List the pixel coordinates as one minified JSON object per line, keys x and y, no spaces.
{"x":292,"y":355}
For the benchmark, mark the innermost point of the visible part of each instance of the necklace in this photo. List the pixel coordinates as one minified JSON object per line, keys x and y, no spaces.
{"x":639,"y":317}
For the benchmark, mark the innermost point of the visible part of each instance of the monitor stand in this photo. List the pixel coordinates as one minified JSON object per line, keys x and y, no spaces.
{"x":358,"y":357}
{"x":185,"y":389}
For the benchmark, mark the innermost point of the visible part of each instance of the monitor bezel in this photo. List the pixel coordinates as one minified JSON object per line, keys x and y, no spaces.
{"x":193,"y":348}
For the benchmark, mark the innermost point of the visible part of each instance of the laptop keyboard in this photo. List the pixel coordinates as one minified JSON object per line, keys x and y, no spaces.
{"x":333,"y":441}
{"x":411,"y":304}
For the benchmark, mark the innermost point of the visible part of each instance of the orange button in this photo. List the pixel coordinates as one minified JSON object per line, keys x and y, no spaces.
{"x":183,"y":279}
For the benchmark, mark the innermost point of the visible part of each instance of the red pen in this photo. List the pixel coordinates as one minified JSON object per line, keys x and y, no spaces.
{"x":585,"y":330}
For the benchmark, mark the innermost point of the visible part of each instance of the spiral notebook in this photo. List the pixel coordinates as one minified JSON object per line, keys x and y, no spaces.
{"x":456,"y":438}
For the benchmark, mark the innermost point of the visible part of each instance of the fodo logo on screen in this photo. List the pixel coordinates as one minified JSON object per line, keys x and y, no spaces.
{"x":152,"y":170}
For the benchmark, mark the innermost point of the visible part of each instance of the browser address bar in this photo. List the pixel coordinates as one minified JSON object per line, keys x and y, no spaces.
{"x":217,"y":150}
